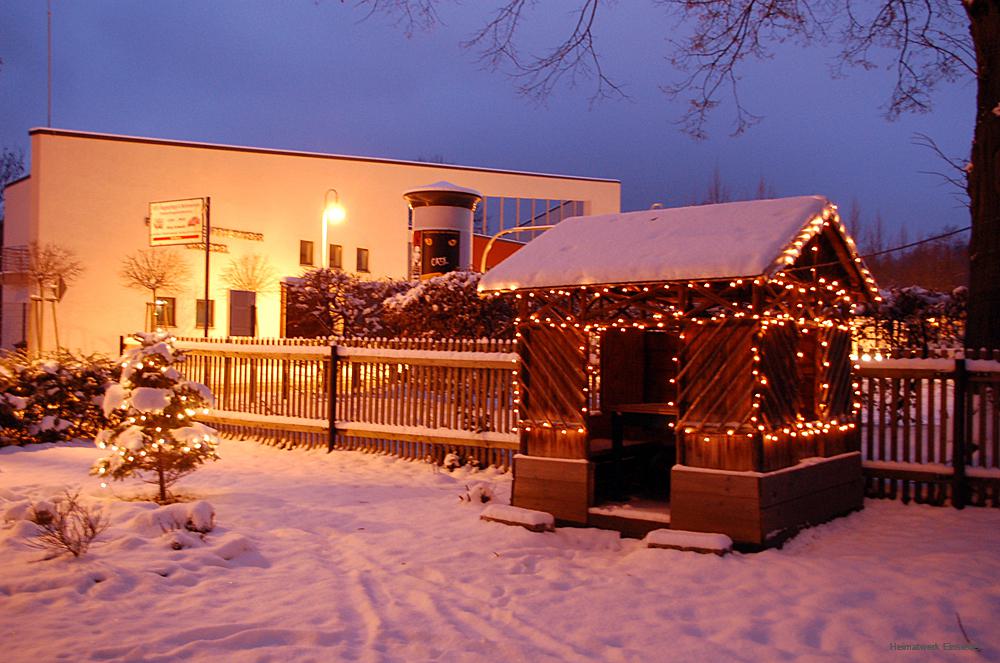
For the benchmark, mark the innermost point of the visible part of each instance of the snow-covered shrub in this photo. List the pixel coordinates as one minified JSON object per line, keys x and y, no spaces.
{"x":54,"y":399}
{"x":65,"y":525}
{"x":191,"y":516}
{"x":326,"y":302}
{"x":916,"y":319}
{"x":478,"y":492}
{"x":449,"y":306}
{"x":454,"y":460}
{"x":154,"y":436}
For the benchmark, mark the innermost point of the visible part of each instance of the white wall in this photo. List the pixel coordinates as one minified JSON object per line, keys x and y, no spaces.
{"x":90,"y":193}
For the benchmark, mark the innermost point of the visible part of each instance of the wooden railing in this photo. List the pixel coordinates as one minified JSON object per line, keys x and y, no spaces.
{"x":413,"y":398}
{"x":931,"y":430}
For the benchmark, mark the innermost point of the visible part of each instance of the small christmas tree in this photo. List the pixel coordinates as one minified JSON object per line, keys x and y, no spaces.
{"x":154,"y":436}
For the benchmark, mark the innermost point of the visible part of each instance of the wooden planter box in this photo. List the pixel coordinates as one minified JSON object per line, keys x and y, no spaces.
{"x":764,"y":508}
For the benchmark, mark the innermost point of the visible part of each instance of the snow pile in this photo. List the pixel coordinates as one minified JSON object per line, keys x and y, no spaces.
{"x":191,"y":516}
{"x":684,"y":540}
{"x":536,"y":521}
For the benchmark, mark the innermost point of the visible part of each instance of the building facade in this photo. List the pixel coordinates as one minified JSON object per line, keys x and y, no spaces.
{"x":90,"y":194}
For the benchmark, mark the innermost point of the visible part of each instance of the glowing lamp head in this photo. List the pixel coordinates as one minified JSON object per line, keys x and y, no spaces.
{"x":334,"y":213}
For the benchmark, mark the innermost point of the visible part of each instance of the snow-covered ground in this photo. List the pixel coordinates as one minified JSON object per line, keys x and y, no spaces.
{"x":348,"y":556}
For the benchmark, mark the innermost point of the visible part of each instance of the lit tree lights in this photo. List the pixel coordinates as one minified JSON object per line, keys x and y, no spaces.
{"x":154,"y":437}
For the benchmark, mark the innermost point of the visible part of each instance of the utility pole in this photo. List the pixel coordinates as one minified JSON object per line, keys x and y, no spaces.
{"x":49,"y":8}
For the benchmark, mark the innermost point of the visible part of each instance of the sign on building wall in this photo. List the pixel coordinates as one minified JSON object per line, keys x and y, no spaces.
{"x":177,"y":222}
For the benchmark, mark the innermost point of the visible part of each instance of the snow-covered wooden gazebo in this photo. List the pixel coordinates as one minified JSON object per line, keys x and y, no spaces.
{"x":697,"y":357}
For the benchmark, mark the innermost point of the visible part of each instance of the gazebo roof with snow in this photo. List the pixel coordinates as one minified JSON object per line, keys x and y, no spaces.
{"x":709,"y":242}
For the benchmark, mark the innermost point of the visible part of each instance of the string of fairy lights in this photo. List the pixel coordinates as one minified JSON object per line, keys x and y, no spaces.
{"x":823,"y":304}
{"x":186,"y":408}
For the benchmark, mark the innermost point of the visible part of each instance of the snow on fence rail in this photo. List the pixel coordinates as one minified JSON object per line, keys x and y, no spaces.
{"x":930,"y":429}
{"x":414,"y":398}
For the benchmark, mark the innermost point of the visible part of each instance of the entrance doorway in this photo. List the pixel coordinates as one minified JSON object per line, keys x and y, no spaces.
{"x":242,"y":313}
{"x":633,"y":443}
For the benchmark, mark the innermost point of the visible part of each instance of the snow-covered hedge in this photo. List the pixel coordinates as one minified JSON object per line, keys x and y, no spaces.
{"x":449,"y":306}
{"x":54,"y":399}
{"x":325,"y":302}
{"x":917,"y":319}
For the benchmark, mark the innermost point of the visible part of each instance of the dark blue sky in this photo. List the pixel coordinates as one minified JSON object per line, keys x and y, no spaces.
{"x":319,"y":76}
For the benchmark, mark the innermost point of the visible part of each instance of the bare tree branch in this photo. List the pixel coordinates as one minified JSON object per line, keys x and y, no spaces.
{"x":154,"y":270}
{"x":11,"y":168}
{"x":252,"y":273}
{"x":410,"y":15}
{"x":925,"y":43}
{"x":930,"y":40}
{"x":574,"y":59}
{"x":48,"y":264}
{"x":958,"y":177}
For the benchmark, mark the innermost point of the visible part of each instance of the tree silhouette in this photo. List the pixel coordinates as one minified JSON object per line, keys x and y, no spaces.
{"x":924,"y":42}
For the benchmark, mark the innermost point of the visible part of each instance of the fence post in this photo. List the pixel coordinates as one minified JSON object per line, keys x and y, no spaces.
{"x":332,"y":370}
{"x":121,"y":346}
{"x":959,"y":431}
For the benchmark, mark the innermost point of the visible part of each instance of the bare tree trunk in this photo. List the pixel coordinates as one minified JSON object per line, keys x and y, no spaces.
{"x":55,"y":323}
{"x":40,"y":317}
{"x":983,"y":326}
{"x":162,"y":480}
{"x":153,"y":317}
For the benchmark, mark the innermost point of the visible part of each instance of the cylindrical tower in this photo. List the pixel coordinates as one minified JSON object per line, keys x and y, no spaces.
{"x":442,"y":227}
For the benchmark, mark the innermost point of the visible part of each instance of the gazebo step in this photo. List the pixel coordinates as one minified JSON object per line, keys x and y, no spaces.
{"x":632,"y":522}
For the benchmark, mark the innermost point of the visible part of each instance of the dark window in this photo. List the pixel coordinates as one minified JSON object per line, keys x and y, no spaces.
{"x":362,"y":260}
{"x":165,"y":312}
{"x":305,"y":252}
{"x":199,"y":313}
{"x":336,"y":256}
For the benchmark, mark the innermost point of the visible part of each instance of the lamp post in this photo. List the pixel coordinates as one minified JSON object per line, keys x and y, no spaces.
{"x":333,"y":213}
{"x":489,"y":244}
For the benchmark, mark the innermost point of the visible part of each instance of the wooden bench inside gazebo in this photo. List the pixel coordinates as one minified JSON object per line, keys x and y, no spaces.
{"x":689,"y":366}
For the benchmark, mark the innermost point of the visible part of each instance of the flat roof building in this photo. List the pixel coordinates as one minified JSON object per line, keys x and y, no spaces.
{"x":90,"y":194}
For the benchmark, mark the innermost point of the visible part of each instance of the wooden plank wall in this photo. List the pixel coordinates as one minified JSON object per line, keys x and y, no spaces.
{"x":553,"y":396}
{"x":716,"y":375}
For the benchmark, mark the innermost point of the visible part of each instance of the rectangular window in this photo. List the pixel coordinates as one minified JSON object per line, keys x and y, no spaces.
{"x":362,"y":260}
{"x":165,"y":312}
{"x":199,"y":313}
{"x":305,"y":252}
{"x":336,"y":256}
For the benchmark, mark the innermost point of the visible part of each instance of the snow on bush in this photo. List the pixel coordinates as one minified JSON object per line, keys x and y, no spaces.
{"x":198,"y":517}
{"x":66,"y":527}
{"x":332,"y":302}
{"x":449,"y":306}
{"x":63,"y":525}
{"x":329,"y":302}
{"x":154,"y":436}
{"x":915,"y":318}
{"x":478,"y":492}
{"x":52,"y":400}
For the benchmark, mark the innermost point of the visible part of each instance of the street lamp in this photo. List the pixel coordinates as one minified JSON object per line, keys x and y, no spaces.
{"x":333,"y":213}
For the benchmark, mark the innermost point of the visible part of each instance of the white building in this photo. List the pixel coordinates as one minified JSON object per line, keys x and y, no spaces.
{"x":90,"y":194}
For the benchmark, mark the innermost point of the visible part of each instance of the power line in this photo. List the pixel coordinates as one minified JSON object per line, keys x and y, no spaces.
{"x":880,"y":253}
{"x":918,"y":243}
